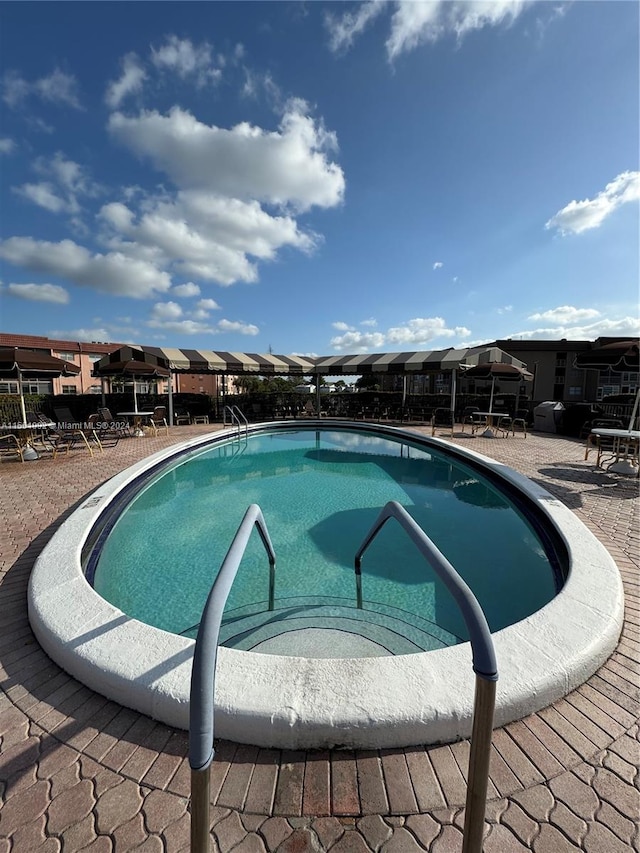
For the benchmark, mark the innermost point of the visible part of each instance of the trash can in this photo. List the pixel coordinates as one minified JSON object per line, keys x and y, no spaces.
{"x":547,"y":416}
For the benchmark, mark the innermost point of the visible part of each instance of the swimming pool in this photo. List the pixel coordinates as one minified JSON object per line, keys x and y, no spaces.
{"x":365,"y":700}
{"x":320,"y":491}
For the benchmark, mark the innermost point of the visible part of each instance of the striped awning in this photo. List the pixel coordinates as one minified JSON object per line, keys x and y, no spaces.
{"x":242,"y":363}
{"x":235,"y":363}
{"x":427,"y":361}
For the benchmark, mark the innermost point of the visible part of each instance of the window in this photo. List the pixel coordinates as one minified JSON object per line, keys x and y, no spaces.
{"x":66,"y":356}
{"x":69,"y":389}
{"x":95,"y":389}
{"x":9,"y":388}
{"x":37,"y":386}
{"x":93,"y":356}
{"x":575,"y":390}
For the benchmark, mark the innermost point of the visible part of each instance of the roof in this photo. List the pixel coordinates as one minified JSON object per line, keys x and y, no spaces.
{"x":48,"y":344}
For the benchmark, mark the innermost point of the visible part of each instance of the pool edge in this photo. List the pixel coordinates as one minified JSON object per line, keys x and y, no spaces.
{"x":298,"y":703}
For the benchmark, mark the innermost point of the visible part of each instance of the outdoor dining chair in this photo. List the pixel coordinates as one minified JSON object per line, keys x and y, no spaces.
{"x":158,"y":420}
{"x":601,"y":444}
{"x":10,"y":447}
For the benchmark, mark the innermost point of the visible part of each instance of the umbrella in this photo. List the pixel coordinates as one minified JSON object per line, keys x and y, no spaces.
{"x":19,"y":364}
{"x":497,"y":370}
{"x":618,"y":357}
{"x":131,"y":369}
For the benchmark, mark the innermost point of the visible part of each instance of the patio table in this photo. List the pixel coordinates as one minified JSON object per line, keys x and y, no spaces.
{"x":490,"y":416}
{"x":626,"y":444}
{"x":138,"y":418}
{"x":24,"y":432}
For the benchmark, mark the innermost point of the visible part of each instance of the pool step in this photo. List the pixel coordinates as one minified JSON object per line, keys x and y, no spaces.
{"x":330,"y":627}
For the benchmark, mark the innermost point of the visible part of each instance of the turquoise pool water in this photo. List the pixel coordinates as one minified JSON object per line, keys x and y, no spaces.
{"x":320,"y":492}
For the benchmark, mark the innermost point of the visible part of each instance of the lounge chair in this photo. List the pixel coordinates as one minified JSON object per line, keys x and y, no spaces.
{"x":181,"y":416}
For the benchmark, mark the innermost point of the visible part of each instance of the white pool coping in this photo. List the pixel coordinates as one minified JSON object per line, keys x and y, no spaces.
{"x":294,"y":702}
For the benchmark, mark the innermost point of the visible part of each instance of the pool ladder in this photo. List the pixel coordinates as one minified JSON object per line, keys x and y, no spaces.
{"x":236,"y":416}
{"x":201,"y":704}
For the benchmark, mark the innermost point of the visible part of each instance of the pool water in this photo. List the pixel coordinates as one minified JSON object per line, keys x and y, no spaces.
{"x":320,"y":491}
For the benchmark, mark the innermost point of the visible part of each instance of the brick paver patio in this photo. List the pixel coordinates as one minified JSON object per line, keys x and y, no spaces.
{"x":79,"y":772}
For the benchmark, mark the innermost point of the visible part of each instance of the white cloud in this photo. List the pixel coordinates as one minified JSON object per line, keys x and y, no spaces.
{"x":166,"y":311}
{"x":205,"y":235}
{"x":187,"y":289}
{"x":58,"y":87}
{"x":579,"y":216}
{"x":182,"y":327}
{"x":565,"y":315}
{"x":416,"y":23}
{"x":284,"y":167}
{"x":59,"y":195}
{"x":42,"y":194}
{"x":358,"y":341}
{"x":234,"y":326}
{"x":101,"y":334}
{"x":416,"y":332}
{"x":621,"y":327}
{"x":438,"y":265}
{"x":342,"y":327}
{"x":186,"y":59}
{"x":207,"y":305}
{"x":39,"y":293}
{"x":113,"y":273}
{"x":421,"y":330}
{"x":130,"y":81}
{"x":7,"y":146}
{"x":344,"y":29}
{"x":506,"y":309}
{"x":371,"y":323}
{"x":15,"y":88}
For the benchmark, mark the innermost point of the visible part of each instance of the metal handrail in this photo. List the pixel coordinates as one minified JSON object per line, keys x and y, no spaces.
{"x":236,"y":415}
{"x":201,"y":701}
{"x":484,"y":664}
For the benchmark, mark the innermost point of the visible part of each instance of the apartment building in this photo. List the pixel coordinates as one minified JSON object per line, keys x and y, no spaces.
{"x":84,"y":355}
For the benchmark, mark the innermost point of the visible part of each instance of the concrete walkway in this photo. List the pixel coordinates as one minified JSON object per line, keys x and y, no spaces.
{"x":79,"y":772}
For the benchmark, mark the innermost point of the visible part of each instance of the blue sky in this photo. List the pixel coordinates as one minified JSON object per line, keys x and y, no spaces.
{"x":320,"y":178}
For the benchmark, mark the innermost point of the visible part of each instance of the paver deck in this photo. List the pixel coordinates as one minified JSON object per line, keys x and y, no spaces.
{"x":79,"y":772}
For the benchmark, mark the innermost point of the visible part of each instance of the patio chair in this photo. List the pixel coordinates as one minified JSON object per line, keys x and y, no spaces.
{"x":101,"y":431}
{"x":45,"y":438}
{"x":504,"y":424}
{"x":158,"y":420}
{"x":116,"y":426}
{"x":181,"y":416}
{"x":468,"y":416}
{"x":602,"y":444}
{"x":65,"y":418}
{"x":10,"y":447}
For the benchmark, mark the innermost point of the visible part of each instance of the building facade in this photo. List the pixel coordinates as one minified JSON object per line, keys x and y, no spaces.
{"x":550,"y":362}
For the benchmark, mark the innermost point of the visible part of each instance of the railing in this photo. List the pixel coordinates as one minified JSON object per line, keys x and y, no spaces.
{"x":236,"y":416}
{"x":201,"y":702}
{"x":484,"y":664}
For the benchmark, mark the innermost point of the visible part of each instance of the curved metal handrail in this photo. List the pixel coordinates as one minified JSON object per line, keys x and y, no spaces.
{"x":484,"y":664}
{"x":205,"y":654}
{"x":484,"y":659}
{"x":236,"y":415}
